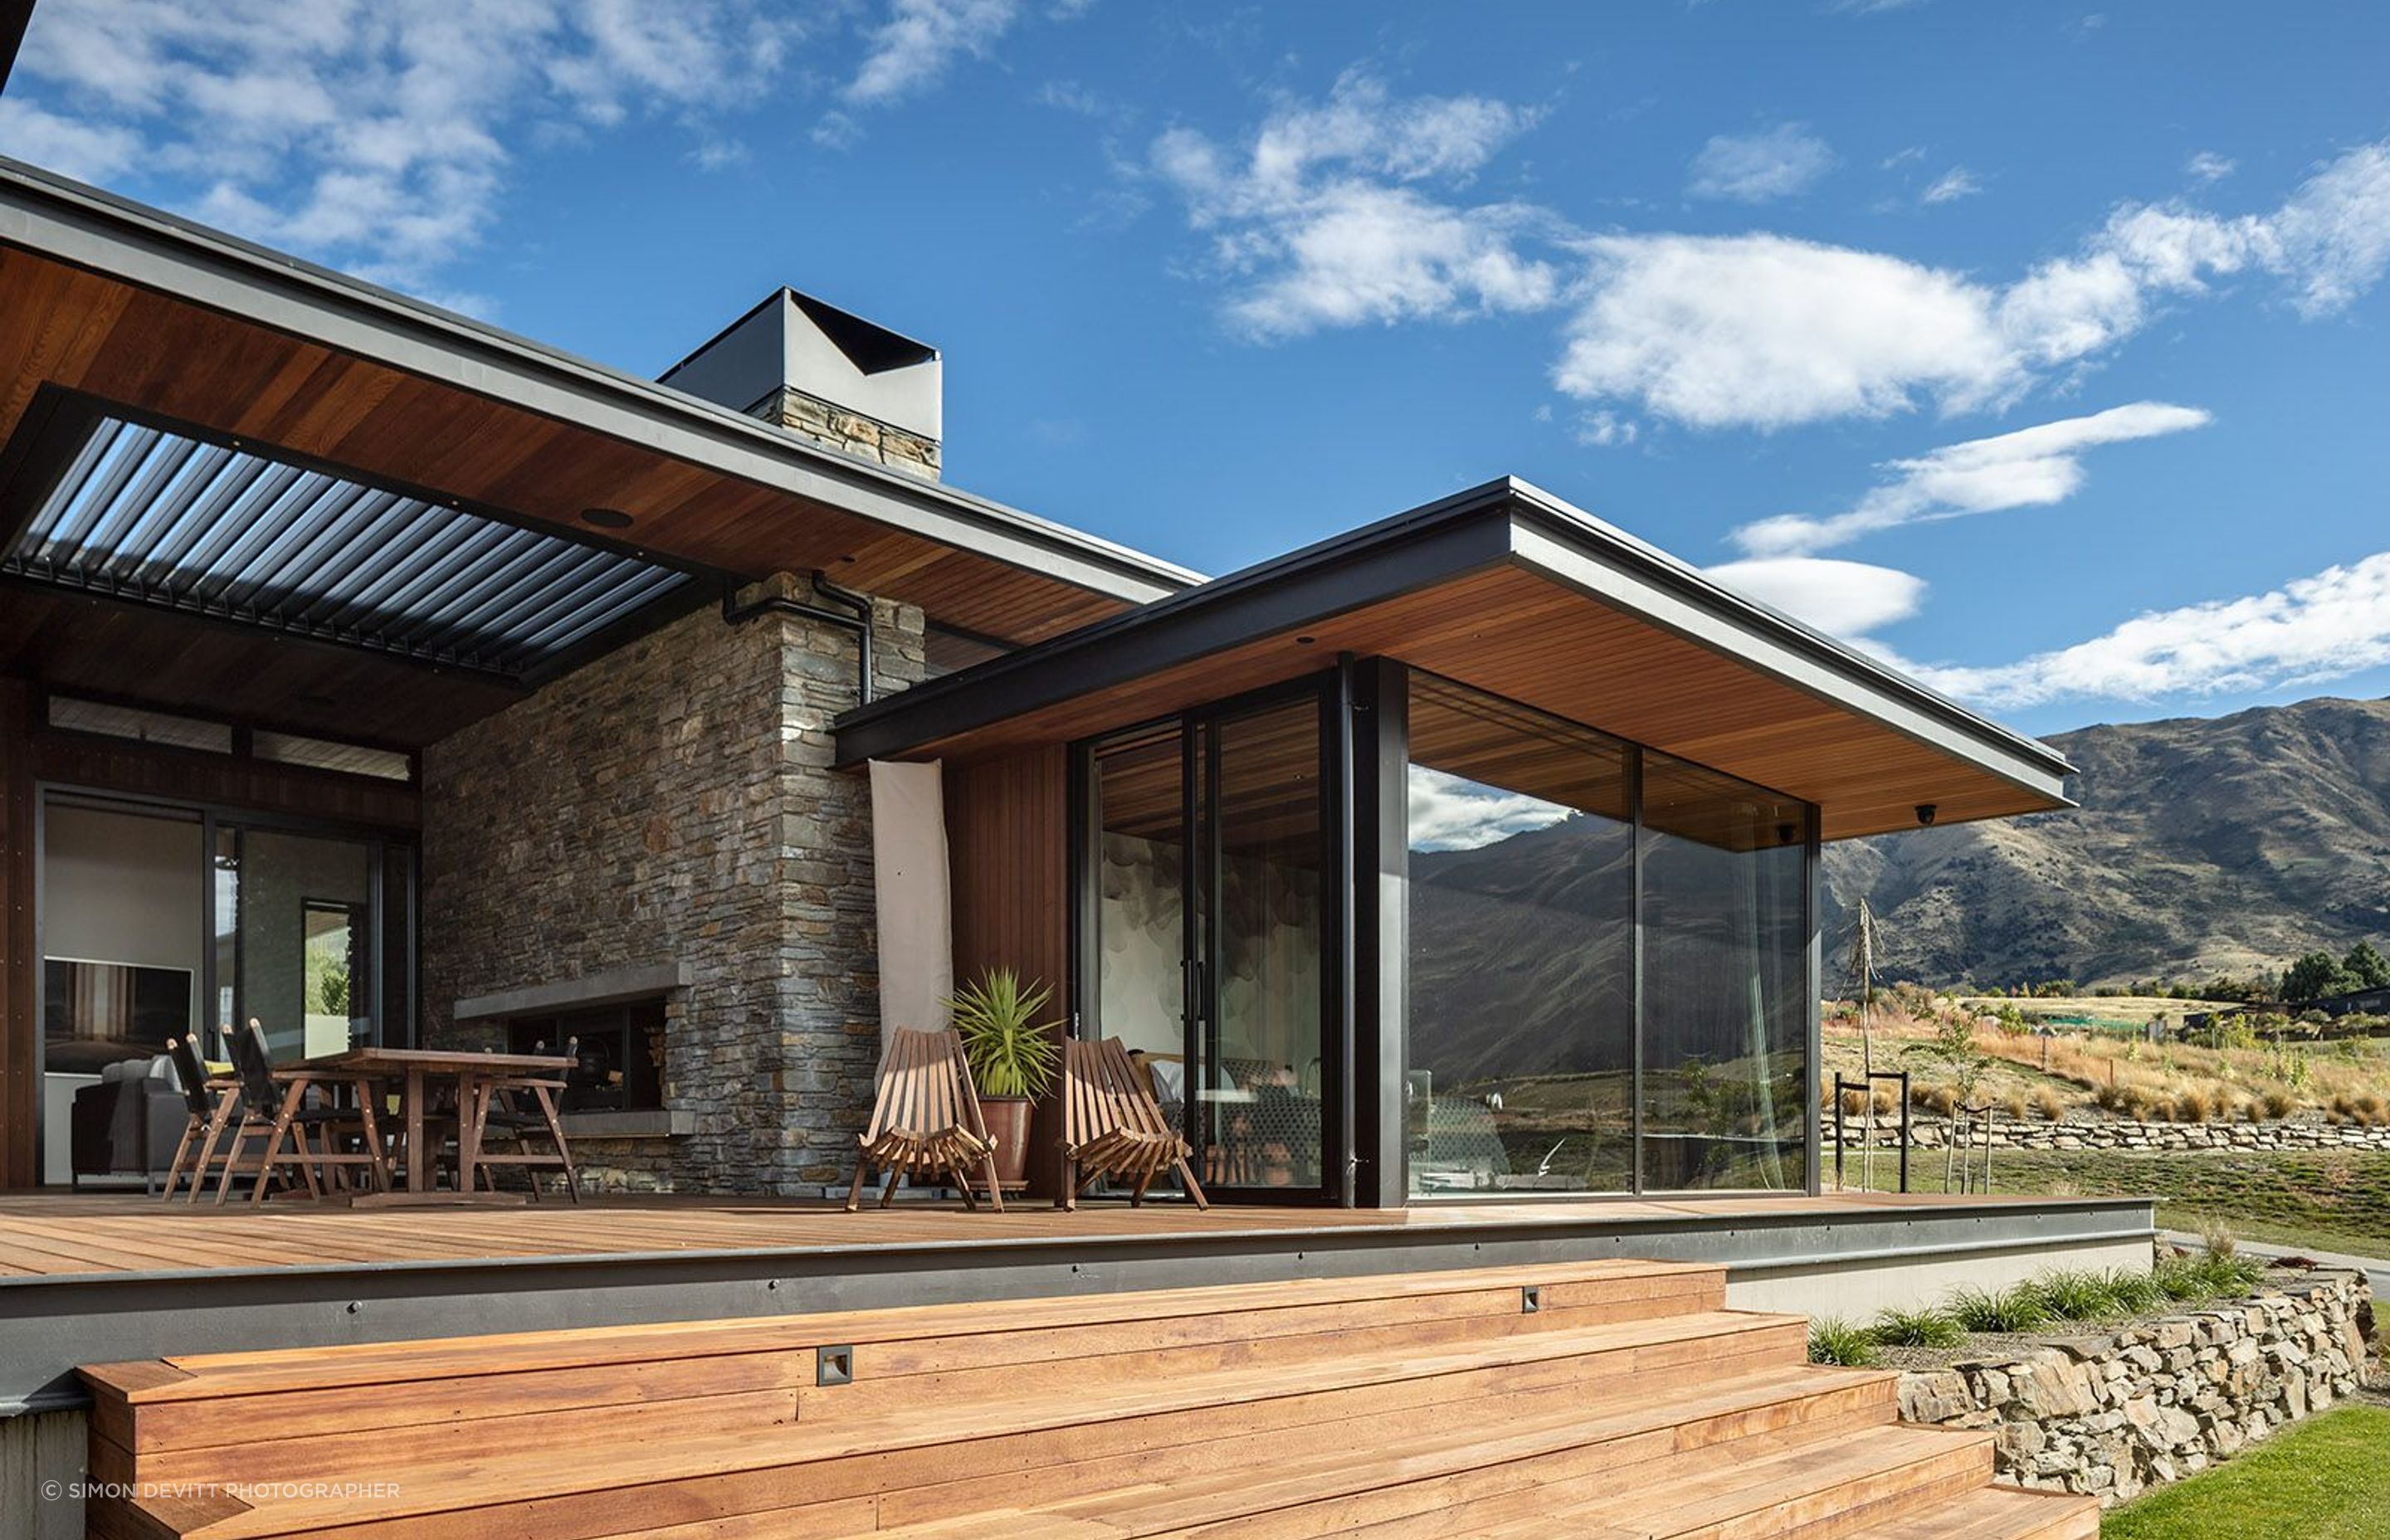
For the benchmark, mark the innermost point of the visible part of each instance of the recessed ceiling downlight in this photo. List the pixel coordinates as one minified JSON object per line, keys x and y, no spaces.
{"x":606,"y":518}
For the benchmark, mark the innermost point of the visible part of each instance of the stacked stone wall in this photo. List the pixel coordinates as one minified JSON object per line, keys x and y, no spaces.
{"x":2117,"y":1413}
{"x":672,"y":803}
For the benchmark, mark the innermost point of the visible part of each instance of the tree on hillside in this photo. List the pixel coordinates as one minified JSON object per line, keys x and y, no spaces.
{"x":2368,"y":967}
{"x":2319,"y":974}
{"x":1863,"y":974}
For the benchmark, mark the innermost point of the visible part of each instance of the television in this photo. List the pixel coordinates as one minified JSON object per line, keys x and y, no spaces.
{"x":96,"y":1013}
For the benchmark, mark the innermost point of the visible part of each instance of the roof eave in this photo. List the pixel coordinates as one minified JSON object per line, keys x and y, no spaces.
{"x":86,"y":228}
{"x":1503,"y":520}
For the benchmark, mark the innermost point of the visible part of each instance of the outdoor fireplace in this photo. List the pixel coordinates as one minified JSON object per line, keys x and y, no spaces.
{"x":619,"y":1051}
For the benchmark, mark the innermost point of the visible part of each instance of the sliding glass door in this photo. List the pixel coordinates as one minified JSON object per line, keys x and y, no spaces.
{"x":1209,"y":900}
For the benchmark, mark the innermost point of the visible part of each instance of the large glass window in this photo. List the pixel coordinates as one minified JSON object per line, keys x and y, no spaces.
{"x":1212,"y":907}
{"x":1725,"y":1009}
{"x":1521,"y":1002}
{"x":1524,"y":1012}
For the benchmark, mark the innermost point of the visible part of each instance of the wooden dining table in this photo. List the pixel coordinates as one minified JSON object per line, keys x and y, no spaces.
{"x":416,"y":1071}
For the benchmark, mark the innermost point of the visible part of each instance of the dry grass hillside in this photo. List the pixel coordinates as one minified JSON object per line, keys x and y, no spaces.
{"x":2201,"y":846}
{"x":2107,"y":1068}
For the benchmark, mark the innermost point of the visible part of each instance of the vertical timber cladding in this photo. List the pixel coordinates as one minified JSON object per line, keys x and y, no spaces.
{"x":19,"y":1045}
{"x":1008,"y":849}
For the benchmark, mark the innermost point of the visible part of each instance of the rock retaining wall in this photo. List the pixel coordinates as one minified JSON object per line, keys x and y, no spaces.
{"x":2121,"y":1135}
{"x":2116,"y":1413}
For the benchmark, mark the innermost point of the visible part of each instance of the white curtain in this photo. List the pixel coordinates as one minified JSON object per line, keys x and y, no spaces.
{"x":908,"y":853}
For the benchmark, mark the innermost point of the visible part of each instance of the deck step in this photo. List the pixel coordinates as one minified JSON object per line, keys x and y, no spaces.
{"x":446,"y":1469}
{"x":1999,"y":1513}
{"x":753,"y":1373}
{"x":1610,"y":1400}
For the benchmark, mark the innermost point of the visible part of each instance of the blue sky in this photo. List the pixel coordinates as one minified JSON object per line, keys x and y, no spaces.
{"x":2036,"y":347}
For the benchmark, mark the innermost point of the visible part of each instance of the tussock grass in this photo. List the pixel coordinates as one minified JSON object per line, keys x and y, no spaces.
{"x":1924,"y":1329}
{"x":1833,"y":1341}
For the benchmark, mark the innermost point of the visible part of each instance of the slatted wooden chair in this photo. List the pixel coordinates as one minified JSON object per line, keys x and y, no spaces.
{"x":210,"y":1100}
{"x":1112,"y":1127}
{"x":280,"y":1114}
{"x":926,"y":1120}
{"x":521,"y":1111}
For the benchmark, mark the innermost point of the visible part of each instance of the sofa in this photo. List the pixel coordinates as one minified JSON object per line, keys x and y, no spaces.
{"x":129,"y":1123}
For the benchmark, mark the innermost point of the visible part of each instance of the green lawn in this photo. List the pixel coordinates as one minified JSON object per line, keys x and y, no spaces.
{"x":2332,"y":1200}
{"x":2321,"y":1481}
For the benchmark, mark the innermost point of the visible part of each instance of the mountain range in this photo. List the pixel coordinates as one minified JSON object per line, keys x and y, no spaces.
{"x":2201,"y":845}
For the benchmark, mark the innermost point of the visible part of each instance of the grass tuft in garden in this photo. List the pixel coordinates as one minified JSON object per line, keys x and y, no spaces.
{"x":1839,"y":1341}
{"x":2019,"y":1308}
{"x":1919,"y":1328}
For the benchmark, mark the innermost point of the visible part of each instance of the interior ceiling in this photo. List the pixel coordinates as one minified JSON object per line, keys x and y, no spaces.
{"x":170,"y":360}
{"x":1511,"y":631}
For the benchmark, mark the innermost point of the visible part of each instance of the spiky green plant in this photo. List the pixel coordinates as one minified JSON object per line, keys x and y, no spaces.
{"x":1926,"y":1329}
{"x":1837,"y":1341}
{"x":2080,"y":1294}
{"x":2136,"y":1293}
{"x":2020,"y":1308}
{"x":1012,"y":1052}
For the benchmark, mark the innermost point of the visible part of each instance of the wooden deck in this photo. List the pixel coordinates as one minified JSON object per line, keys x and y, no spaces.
{"x":1621,"y":1400}
{"x":53,"y":1236}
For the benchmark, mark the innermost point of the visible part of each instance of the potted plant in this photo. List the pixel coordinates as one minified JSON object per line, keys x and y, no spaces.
{"x":1012,"y":1058}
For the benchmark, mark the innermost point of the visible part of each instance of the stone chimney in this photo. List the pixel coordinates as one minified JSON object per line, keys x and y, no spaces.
{"x":835,"y":378}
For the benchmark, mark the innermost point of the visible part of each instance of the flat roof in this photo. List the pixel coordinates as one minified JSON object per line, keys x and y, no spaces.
{"x":1510,"y":588}
{"x":98,"y":233}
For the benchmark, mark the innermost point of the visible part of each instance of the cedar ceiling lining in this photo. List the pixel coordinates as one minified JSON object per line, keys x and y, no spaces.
{"x":162,"y":355}
{"x":1515,"y":631}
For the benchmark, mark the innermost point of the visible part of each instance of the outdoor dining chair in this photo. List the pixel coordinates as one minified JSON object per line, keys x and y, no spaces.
{"x":211,"y":1100}
{"x":925,"y":1121}
{"x":1112,"y":1126}
{"x":278,"y":1111}
{"x":499,"y":1111}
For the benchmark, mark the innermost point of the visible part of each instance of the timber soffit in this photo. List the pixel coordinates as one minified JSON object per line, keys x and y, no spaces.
{"x":95,"y":230}
{"x":1503,"y":520}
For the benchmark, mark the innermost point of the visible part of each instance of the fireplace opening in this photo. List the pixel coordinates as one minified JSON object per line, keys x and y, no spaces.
{"x":618,"y":1052}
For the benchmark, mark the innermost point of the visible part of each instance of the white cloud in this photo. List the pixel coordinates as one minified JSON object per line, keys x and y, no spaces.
{"x":1447,"y":812}
{"x":1754,"y":168}
{"x":368,"y":135}
{"x":1952,"y":184}
{"x":2333,"y":624}
{"x":1326,"y":217}
{"x":1842,"y":598}
{"x":2032,"y":467}
{"x":71,"y":146}
{"x":2208,"y":166}
{"x":921,"y":39}
{"x":1765,"y":332}
{"x":1605,"y":429}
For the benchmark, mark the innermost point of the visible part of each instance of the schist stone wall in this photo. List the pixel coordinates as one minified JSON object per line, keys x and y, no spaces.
{"x":897,"y":448}
{"x":671,"y":806}
{"x":2116,"y":1413}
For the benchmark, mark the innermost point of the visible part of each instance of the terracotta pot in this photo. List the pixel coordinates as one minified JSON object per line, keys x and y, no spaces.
{"x":1008,"y":1122}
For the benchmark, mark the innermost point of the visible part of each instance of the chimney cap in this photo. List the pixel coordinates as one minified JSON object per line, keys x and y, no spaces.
{"x":805,"y":343}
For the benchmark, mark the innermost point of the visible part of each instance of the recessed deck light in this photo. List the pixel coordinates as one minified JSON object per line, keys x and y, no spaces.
{"x":606,"y":518}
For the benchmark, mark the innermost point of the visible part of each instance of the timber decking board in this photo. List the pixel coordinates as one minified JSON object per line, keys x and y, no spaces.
{"x":1398,"y":1405}
{"x":48,"y":1236}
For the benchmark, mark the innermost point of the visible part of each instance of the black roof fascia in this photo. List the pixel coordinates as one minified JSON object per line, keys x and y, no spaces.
{"x":1301,"y":589}
{"x":1430,"y":545}
{"x":96,"y":230}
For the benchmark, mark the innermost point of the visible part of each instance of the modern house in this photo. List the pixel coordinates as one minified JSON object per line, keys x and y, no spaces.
{"x":355,"y":648}
{"x":390,"y":679}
